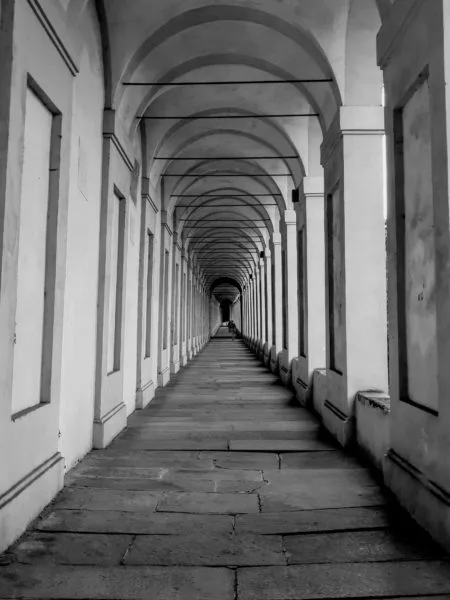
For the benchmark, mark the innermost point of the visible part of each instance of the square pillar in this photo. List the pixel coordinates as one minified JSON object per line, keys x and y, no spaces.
{"x":147,"y":301}
{"x":262,"y":308}
{"x":311,"y":286}
{"x":352,"y":156}
{"x":277,"y":297}
{"x":269,"y":306}
{"x":165,"y":299}
{"x":175,"y":329}
{"x":183,"y":309}
{"x":290,"y":350}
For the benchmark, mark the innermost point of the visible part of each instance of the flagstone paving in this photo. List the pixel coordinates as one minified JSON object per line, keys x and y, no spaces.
{"x":224,"y":488}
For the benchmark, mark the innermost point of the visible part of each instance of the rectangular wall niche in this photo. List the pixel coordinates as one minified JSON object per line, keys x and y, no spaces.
{"x":166,"y":298}
{"x":416,"y":249}
{"x":301,"y":291}
{"x":336,"y":289}
{"x":116,"y":272}
{"x":183,"y":309}
{"x":32,"y":273}
{"x":149,"y":296}
{"x":175,"y":305}
{"x":274,"y":332}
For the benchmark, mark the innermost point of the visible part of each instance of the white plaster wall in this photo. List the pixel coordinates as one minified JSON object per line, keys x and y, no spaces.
{"x":80,"y":313}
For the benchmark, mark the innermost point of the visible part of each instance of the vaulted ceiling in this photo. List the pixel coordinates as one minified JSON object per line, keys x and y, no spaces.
{"x":228,"y":139}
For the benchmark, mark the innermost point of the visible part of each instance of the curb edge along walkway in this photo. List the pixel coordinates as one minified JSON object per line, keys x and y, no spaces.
{"x":222,"y":488}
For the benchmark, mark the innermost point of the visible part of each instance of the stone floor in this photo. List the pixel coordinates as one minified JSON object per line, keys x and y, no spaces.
{"x":223,"y":489}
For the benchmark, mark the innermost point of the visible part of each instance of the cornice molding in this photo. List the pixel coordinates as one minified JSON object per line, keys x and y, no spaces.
{"x":56,"y":40}
{"x":110,"y":133}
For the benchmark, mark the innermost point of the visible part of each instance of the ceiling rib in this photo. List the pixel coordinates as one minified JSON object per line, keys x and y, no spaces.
{"x":239,"y":82}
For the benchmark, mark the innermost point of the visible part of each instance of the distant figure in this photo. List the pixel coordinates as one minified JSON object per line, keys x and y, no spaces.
{"x":232,"y":329}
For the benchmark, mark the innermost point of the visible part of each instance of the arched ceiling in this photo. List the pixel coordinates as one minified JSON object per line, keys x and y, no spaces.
{"x":232,"y":99}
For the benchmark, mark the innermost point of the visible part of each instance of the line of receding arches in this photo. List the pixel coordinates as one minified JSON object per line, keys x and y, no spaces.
{"x":177,"y":138}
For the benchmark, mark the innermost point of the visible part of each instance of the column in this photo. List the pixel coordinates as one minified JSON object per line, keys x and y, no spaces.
{"x":165,"y":293}
{"x":189,"y":311}
{"x":269,"y":307}
{"x":257,"y":307}
{"x":311,"y":290}
{"x":277,"y":339}
{"x":183,"y":309}
{"x":355,"y":265}
{"x":262,"y":308}
{"x":175,"y":328}
{"x":290,"y":351}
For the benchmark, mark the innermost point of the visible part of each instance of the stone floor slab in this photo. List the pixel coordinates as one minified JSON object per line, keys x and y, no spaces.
{"x":97,"y":499}
{"x":360,"y":546}
{"x":244,"y":460}
{"x":362,"y":580}
{"x":115,"y":522}
{"x":326,"y":488}
{"x":209,"y":503}
{"x":279,"y":445}
{"x":207,"y":550}
{"x":308,"y":521}
{"x":318,"y":460}
{"x":72,"y":549}
{"x":126,"y":583}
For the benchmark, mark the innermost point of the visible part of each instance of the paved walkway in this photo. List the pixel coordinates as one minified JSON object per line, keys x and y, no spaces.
{"x":223,"y":489}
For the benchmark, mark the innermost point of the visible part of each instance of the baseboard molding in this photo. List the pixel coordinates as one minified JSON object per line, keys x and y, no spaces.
{"x":174,"y":367}
{"x":340,"y":425}
{"x":164,"y":377}
{"x":108,"y":426}
{"x":145,"y":395}
{"x":26,"y":499}
{"x":426,"y":501}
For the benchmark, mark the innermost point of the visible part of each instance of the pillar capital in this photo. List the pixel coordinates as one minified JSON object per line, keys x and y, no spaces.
{"x":352,"y":120}
{"x":276,"y":239}
{"x":289,"y":217}
{"x":312,"y":186}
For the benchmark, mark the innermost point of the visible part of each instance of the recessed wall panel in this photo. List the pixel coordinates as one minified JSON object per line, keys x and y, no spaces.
{"x":419,"y":302}
{"x":31,"y":275}
{"x":336,"y":281}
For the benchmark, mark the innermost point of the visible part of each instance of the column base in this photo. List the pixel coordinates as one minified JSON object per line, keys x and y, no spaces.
{"x":183,"y":360}
{"x":266,"y":354}
{"x":273,"y":364}
{"x":303,"y":389}
{"x":26,"y":499}
{"x":340,"y":425}
{"x":320,"y":390}
{"x":174,"y":367}
{"x":260,"y":350}
{"x":426,"y":501}
{"x":285,"y":368}
{"x":164,"y":377}
{"x":145,"y":394}
{"x":107,"y":427}
{"x":372,"y":415}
